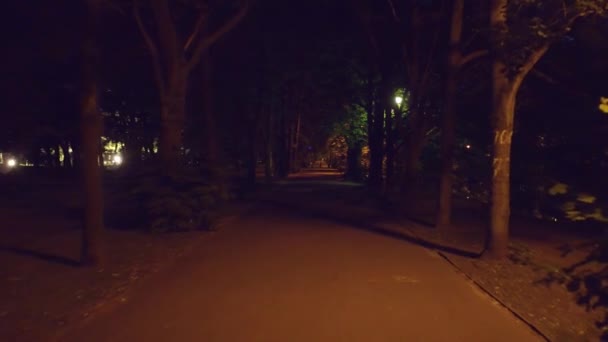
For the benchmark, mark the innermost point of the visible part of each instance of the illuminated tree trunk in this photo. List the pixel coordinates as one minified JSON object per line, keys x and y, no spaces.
{"x":503,"y":110}
{"x":390,"y":147}
{"x":504,"y":93}
{"x":90,"y":136}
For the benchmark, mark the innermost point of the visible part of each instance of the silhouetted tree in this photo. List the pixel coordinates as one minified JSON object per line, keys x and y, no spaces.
{"x":455,"y":61}
{"x":173,"y":58}
{"x":90,"y":137}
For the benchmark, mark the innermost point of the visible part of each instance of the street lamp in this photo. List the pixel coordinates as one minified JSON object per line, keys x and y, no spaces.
{"x":11,"y":163}
{"x":398,"y":100}
{"x":117,"y":159}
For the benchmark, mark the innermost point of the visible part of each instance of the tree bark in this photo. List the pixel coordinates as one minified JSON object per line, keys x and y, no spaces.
{"x":210,"y":139}
{"x":376,"y":139}
{"x":90,"y":129}
{"x":353,"y":161}
{"x":173,"y":112}
{"x":503,"y":110}
{"x":390,"y":147}
{"x":268,"y":156}
{"x":504,"y":95}
{"x":448,"y":123}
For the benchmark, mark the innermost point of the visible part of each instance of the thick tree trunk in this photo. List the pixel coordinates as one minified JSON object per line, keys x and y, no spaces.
{"x":448,"y":122}
{"x":173,"y":108}
{"x":211,"y":146}
{"x":504,"y":94}
{"x":294,"y":158}
{"x":413,"y":152}
{"x":251,"y":153}
{"x":376,"y":144}
{"x":448,"y":142}
{"x":390,"y":148}
{"x":90,"y":129}
{"x":269,"y":155}
{"x":353,"y":162}
{"x":503,"y":110}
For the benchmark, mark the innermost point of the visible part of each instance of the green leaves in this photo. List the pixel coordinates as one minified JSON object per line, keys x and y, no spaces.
{"x":532,"y":24}
{"x":603,"y":105}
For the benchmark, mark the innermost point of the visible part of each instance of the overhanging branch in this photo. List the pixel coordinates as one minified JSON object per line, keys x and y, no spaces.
{"x":156,"y":62}
{"x":206,"y":41}
{"x":472,"y":56}
{"x":195,"y":31}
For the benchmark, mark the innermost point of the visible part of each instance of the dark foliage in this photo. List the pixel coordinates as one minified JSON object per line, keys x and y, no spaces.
{"x":182,"y":201}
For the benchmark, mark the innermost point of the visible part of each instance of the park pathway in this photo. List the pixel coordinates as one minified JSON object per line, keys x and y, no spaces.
{"x":278,"y":274}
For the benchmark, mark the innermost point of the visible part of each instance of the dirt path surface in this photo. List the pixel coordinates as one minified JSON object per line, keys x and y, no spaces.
{"x":278,"y":275}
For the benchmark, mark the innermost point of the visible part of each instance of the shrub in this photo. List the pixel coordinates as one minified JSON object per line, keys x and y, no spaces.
{"x":182,"y":201}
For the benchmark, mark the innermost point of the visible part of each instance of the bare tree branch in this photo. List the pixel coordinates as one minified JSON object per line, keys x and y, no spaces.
{"x":472,"y":56}
{"x":207,"y":41}
{"x":543,"y":76}
{"x":195,"y":31}
{"x":152,"y":48}
{"x":530,"y":63}
{"x":393,"y":9}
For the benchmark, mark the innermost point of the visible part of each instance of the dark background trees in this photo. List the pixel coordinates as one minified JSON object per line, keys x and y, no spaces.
{"x":233,"y":91}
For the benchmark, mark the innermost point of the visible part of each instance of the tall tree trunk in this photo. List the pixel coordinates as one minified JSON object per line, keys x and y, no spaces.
{"x":252,"y":159}
{"x":390,"y":148}
{"x":413,"y":151}
{"x":210,"y":136}
{"x":503,"y":110}
{"x":504,"y":94}
{"x":269,"y":155}
{"x":91,"y":126}
{"x":173,"y":111}
{"x":448,"y":122}
{"x":295,"y":167}
{"x":353,"y":161}
{"x":376,"y":144}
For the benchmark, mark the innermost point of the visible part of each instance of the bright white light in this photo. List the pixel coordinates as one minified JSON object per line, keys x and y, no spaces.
{"x":11,"y":163}
{"x":117,"y":159}
{"x":398,"y":100}
{"x":468,"y":147}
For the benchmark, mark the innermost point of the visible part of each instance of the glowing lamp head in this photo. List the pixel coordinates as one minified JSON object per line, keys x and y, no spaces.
{"x":117,"y":159}
{"x":11,"y":162}
{"x":468,"y":147}
{"x":398,"y":100}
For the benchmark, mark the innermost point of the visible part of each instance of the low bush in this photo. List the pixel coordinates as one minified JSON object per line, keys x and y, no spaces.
{"x":182,"y":201}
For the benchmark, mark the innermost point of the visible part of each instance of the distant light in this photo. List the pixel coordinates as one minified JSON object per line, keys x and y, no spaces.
{"x":11,"y":162}
{"x":398,"y":100}
{"x":117,"y":159}
{"x":468,"y":147}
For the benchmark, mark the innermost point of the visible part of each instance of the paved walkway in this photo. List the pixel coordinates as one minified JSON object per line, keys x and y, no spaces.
{"x":279,"y":276}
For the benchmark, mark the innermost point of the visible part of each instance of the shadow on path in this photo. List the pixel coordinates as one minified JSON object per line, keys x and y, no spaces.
{"x":41,"y":256}
{"x":367,"y":224}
